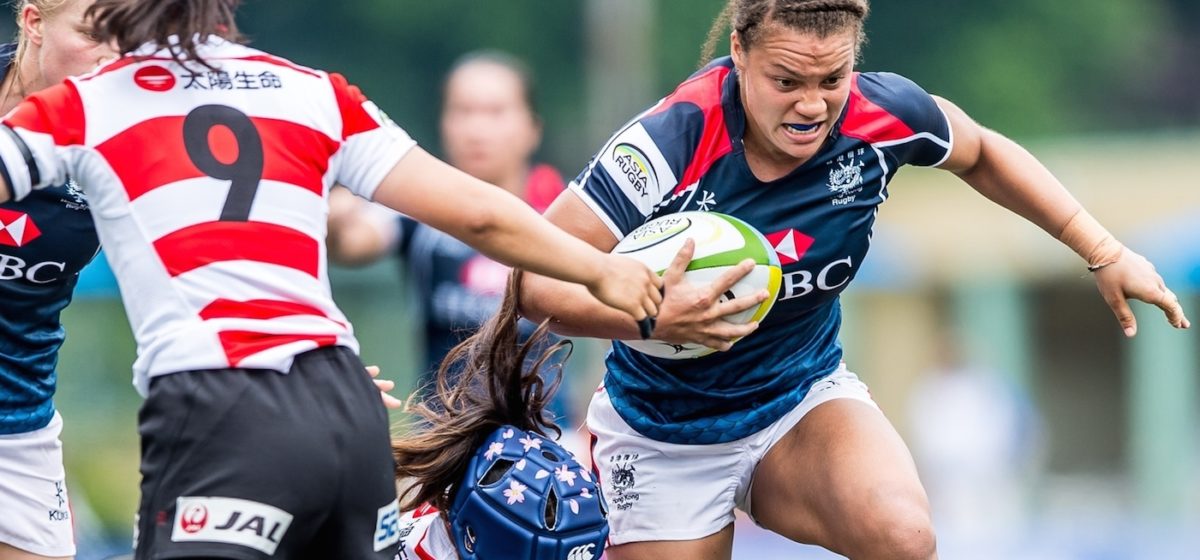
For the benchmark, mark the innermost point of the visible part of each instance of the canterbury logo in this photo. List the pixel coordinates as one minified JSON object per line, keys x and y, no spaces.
{"x":582,"y":552}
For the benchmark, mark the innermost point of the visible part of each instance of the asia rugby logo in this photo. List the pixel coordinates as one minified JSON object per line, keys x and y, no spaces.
{"x":17,"y":228}
{"x":636,"y":167}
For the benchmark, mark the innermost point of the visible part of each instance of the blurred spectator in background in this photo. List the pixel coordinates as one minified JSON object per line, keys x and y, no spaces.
{"x":975,"y":438}
{"x":490,"y":129}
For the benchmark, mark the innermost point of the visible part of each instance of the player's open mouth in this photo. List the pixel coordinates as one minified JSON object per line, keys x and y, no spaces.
{"x":801,"y":131}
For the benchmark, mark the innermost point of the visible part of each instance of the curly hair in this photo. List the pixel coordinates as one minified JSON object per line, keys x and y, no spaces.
{"x":820,"y":17}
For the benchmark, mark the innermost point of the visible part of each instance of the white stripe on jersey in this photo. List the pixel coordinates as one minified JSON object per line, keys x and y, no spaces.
{"x":600,"y":212}
{"x":659,"y":178}
{"x":140,"y":105}
{"x":183,"y":203}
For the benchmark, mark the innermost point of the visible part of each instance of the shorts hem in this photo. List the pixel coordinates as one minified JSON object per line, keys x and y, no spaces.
{"x":645,"y":535}
{"x":40,"y":550}
{"x":225,"y":553}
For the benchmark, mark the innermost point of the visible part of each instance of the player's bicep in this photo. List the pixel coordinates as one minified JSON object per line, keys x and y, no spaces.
{"x":573,"y":215}
{"x":968,"y":138}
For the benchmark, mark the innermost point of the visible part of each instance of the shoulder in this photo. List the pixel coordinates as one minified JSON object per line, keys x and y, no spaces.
{"x":889,"y":107}
{"x":704,"y":88}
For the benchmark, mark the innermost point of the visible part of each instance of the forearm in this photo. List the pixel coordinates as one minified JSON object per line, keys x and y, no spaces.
{"x":488,"y":218}
{"x":1010,"y":176}
{"x":573,"y":311}
{"x":503,"y":227}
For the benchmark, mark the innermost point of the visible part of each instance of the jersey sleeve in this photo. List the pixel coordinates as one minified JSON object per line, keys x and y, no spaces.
{"x":371,"y":143}
{"x":640,"y":166}
{"x":32,"y":138}
{"x":921,"y":134}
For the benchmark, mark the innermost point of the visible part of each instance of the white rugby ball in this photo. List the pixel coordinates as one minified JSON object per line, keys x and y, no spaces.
{"x":721,"y":243}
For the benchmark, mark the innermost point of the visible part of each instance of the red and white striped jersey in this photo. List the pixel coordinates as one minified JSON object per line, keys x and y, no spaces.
{"x":425,"y":536}
{"x":208,"y":187}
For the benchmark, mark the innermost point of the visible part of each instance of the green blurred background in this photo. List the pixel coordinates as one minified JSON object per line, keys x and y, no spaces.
{"x":1078,"y":431}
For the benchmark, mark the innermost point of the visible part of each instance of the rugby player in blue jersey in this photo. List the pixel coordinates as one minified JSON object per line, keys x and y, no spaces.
{"x":45,"y":240}
{"x":785,"y":135}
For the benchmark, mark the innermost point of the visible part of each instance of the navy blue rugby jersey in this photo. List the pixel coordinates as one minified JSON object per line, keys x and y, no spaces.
{"x":45,"y":240}
{"x":686,"y":153}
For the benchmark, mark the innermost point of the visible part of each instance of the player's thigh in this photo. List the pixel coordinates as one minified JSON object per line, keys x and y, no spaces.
{"x":664,"y":494}
{"x":841,"y":478}
{"x":35,"y":513}
{"x":718,"y":546}
{"x":10,"y":553}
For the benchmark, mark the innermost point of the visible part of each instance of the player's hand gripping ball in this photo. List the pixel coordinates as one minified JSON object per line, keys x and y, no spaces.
{"x":721,"y":243}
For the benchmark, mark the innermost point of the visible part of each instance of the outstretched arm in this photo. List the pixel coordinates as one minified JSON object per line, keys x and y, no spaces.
{"x":1010,"y":176}
{"x":506,"y":229}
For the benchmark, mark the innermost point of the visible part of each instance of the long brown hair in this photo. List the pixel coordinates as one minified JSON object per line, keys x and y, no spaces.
{"x":482,"y":384}
{"x":133,"y":23}
{"x":820,"y":17}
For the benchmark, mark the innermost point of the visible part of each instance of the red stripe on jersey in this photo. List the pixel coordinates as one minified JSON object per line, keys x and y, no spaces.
{"x":703,"y":91}
{"x":422,"y":553}
{"x":57,"y":111}
{"x":151,"y":154}
{"x":202,"y":244}
{"x":122,"y":63}
{"x":259,"y":309}
{"x":350,"y":103}
{"x":280,"y":62}
{"x":424,"y":509}
{"x":239,"y":345}
{"x":870,"y":122}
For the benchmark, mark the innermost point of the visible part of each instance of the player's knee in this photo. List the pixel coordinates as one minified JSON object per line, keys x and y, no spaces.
{"x":900,"y":529}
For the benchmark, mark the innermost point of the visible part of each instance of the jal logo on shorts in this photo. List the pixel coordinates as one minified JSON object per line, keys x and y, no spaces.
{"x":231,"y":521}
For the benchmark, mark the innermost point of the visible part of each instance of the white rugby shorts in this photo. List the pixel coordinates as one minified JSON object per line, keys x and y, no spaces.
{"x":36,"y":514}
{"x":659,"y":491}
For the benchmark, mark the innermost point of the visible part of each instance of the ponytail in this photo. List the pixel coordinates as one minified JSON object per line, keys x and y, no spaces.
{"x":482,"y":384}
{"x":133,"y":23}
{"x":715,"y":33}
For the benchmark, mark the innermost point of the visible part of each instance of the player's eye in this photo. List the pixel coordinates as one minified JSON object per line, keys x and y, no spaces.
{"x":785,"y":83}
{"x":832,"y":81}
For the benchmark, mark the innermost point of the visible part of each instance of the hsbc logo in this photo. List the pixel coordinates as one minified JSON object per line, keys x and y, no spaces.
{"x":17,"y":228}
{"x":832,"y":277}
{"x":15,"y":268}
{"x":231,"y":521}
{"x":791,"y":245}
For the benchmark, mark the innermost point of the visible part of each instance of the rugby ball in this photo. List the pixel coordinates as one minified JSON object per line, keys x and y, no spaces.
{"x":721,"y":243}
